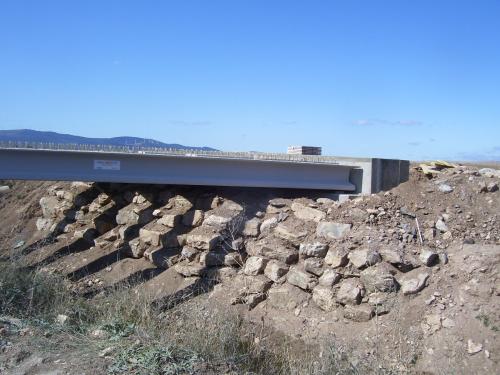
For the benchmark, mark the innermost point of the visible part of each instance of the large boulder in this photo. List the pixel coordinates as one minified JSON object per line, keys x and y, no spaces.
{"x":324,"y":297}
{"x":361,"y":258}
{"x":251,"y":228}
{"x":50,"y":207}
{"x":189,"y":269}
{"x":255,"y":266}
{"x":136,"y":248}
{"x":290,"y":231}
{"x":300,"y":278}
{"x":275,"y":270}
{"x":203,"y":238}
{"x":222,"y":258}
{"x":329,"y":278}
{"x":413,"y":281}
{"x":193,"y":218}
{"x":156,"y":234}
{"x":307,"y":213}
{"x":132,"y":215}
{"x":331,"y":230}
{"x":316,"y":249}
{"x":314,"y":266}
{"x":273,"y":249}
{"x":170,"y":219}
{"x":351,"y":292}
{"x":379,"y":278}
{"x":428,"y":257}
{"x":391,"y":255}
{"x":268,"y":224}
{"x":337,"y":257}
{"x":222,"y":218}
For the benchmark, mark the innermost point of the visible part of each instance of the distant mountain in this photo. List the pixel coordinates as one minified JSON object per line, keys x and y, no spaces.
{"x":26,"y":135}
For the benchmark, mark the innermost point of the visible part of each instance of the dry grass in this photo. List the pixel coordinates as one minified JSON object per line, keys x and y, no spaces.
{"x":144,"y":340}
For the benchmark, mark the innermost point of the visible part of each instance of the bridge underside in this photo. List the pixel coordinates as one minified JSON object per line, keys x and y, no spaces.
{"x":31,"y":164}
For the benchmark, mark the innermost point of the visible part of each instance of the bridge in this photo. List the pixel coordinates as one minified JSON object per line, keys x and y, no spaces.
{"x":66,"y":162}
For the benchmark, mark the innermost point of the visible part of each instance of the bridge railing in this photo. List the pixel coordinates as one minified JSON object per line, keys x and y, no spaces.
{"x":167,"y":151}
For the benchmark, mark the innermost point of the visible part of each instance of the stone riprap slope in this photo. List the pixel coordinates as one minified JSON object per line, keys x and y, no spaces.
{"x":319,"y":265}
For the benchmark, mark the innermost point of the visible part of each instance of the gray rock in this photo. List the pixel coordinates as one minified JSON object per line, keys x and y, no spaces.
{"x":325,"y":201}
{"x":50,"y":207}
{"x":137,"y":248}
{"x":316,"y":249}
{"x":428,"y":257}
{"x":255,"y":265}
{"x":301,"y":279}
{"x":189,"y":252}
{"x":273,"y":250}
{"x":441,"y":226}
{"x":379,"y":278}
{"x":287,"y":232}
{"x":362,"y":313}
{"x":443,"y":258}
{"x":482,"y":187}
{"x":332,"y":230}
{"x":251,"y":228}
{"x":324,"y":297}
{"x":351,"y":292}
{"x":307,"y":213}
{"x":189,"y":269}
{"x":156,"y":235}
{"x":162,"y":257}
{"x":413,"y":281}
{"x":268,"y":224}
{"x":193,"y":218}
{"x":132,"y":215}
{"x":391,"y":255}
{"x":361,"y":258}
{"x":492,"y":187}
{"x":474,"y":348}
{"x":275,"y":270}
{"x":217,"y":221}
{"x":489,"y":172}
{"x":43,"y":223}
{"x":203,"y":238}
{"x":213,"y":259}
{"x":445,"y":188}
{"x":337,"y":257}
{"x":278,"y":202}
{"x":4,"y":189}
{"x":405,"y":211}
{"x":314,"y":266}
{"x":329,"y":278}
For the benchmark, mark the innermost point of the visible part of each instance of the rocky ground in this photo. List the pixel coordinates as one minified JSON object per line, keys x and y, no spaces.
{"x":406,"y":280}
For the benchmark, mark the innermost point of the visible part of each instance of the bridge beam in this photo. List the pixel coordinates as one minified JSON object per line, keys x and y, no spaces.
{"x":64,"y":165}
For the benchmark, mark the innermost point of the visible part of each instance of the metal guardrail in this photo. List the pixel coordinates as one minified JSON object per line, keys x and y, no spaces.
{"x":169,"y":151}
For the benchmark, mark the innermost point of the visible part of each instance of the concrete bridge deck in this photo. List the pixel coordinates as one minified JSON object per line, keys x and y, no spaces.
{"x":25,"y":161}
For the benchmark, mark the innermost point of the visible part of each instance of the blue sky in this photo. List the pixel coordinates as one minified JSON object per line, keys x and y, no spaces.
{"x":406,"y":79}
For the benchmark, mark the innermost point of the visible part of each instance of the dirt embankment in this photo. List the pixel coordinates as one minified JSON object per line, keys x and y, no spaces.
{"x":406,"y":280}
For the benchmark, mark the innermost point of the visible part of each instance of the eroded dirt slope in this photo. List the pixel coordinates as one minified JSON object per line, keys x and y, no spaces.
{"x":406,"y":279}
